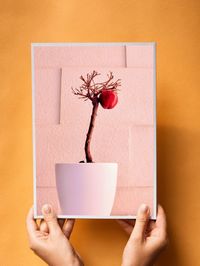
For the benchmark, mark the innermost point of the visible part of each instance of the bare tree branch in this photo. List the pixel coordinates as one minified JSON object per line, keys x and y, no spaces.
{"x":90,"y":89}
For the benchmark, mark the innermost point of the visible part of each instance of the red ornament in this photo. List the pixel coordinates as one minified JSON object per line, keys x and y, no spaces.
{"x":108,"y":99}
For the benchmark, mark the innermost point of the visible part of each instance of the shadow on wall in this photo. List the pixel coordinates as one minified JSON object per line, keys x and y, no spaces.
{"x":176,"y":150}
{"x":168,"y":148}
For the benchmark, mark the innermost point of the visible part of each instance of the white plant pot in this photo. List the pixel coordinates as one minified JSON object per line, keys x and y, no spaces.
{"x":86,"y":188}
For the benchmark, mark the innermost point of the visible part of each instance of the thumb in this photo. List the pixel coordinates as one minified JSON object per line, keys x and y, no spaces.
{"x":141,"y":223}
{"x":50,"y":218}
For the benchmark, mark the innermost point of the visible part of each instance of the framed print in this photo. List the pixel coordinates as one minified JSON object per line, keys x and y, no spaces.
{"x":94,"y":128}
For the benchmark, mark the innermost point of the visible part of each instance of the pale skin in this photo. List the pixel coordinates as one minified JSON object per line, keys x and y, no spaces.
{"x":50,"y":239}
{"x":147,"y":239}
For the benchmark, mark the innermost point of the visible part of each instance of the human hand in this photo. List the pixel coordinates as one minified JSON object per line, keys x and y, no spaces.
{"x":147,"y":238}
{"x":50,"y":239}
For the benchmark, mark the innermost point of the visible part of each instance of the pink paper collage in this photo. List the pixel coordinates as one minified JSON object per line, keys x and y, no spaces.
{"x":125,"y":134}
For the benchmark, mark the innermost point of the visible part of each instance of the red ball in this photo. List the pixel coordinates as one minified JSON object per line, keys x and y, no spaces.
{"x":108,"y":98}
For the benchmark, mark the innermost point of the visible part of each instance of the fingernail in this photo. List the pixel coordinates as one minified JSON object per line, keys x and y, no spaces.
{"x":46,"y":208}
{"x":144,"y":208}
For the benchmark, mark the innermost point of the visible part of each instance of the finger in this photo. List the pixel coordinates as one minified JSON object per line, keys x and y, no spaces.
{"x":128,"y":221}
{"x":141,"y":223}
{"x":68,"y":227}
{"x":161,"y":222}
{"x":44,"y":226}
{"x":126,"y":225}
{"x":61,"y":222}
{"x":50,"y":218}
{"x":151,"y":226}
{"x":31,"y":223}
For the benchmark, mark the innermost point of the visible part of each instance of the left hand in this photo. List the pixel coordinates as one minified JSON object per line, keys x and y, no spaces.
{"x":50,"y":240}
{"x":147,"y":238}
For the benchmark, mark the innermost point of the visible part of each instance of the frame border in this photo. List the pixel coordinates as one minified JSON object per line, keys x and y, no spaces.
{"x":154,"y":44}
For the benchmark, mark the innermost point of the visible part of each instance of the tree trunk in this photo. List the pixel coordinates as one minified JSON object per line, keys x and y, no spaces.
{"x":90,"y":131}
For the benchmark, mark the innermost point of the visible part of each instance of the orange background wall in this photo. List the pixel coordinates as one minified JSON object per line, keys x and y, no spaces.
{"x":174,"y":25}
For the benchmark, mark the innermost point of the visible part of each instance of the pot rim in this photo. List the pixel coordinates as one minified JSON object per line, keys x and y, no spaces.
{"x":99,"y":163}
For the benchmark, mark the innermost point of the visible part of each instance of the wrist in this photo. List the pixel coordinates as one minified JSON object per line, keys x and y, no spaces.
{"x":136,"y":263}
{"x":71,"y":262}
{"x":74,"y":262}
{"x":130,"y":264}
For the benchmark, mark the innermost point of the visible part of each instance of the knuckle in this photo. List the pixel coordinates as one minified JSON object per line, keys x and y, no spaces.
{"x":52,"y":222}
{"x":142,"y":220}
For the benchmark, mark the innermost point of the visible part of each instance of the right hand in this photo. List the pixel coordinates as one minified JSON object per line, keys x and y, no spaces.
{"x":147,"y":238}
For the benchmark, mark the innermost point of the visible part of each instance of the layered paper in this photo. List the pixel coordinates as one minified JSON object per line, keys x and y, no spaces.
{"x":125,"y":134}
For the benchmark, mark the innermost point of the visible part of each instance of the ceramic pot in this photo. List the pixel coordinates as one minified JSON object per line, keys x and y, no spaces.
{"x":86,"y":188}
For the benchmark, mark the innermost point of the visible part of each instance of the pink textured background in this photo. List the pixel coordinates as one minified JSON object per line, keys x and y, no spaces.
{"x":124,"y":134}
